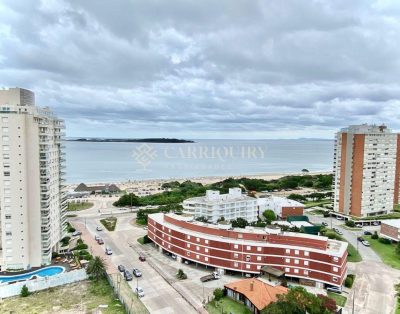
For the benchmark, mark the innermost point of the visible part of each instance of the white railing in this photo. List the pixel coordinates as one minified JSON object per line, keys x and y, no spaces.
{"x":41,"y":283}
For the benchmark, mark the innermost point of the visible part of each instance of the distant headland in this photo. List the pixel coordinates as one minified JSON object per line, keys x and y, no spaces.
{"x":130,"y":140}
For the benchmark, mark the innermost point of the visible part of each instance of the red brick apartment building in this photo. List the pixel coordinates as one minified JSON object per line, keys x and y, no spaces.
{"x":303,"y":257}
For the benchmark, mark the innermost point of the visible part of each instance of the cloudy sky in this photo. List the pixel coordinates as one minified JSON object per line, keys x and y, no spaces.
{"x":206,"y":69}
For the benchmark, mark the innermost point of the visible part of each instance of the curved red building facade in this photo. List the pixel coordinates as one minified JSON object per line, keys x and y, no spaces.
{"x":298,"y":255}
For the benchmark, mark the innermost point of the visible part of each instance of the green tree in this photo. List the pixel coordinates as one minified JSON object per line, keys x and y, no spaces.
{"x":181,"y":274}
{"x":375,"y":236}
{"x":298,"y":301}
{"x":96,"y":268}
{"x":202,"y":219}
{"x":221,"y":219}
{"x":269,"y":215}
{"x":218,"y":294}
{"x":24,"y":291}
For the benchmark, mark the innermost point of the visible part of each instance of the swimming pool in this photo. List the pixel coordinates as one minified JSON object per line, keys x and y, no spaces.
{"x":44,"y":272}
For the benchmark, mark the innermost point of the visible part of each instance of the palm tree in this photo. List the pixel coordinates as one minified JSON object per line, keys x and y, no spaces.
{"x":96,"y":268}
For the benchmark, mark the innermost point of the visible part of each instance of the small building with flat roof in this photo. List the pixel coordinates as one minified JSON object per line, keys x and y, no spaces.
{"x":390,"y":229}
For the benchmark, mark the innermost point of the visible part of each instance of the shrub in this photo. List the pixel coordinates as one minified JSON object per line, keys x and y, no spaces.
{"x":348,"y":283}
{"x":65,"y":241}
{"x":218,"y":294}
{"x":181,"y":275}
{"x":384,"y":241}
{"x":24,"y":291}
{"x":81,"y":246}
{"x":350,"y":223}
{"x":375,"y":236}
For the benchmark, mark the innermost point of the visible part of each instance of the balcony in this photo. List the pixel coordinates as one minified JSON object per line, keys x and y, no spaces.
{"x":45,"y":204}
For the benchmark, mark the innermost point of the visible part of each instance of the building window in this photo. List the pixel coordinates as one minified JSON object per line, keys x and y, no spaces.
{"x":335,"y":259}
{"x":287,"y":251}
{"x":206,"y":241}
{"x":247,"y":258}
{"x":335,"y":279}
{"x":259,"y":249}
{"x":163,"y":228}
{"x":8,"y":233}
{"x":236,"y":264}
{"x":306,"y":263}
{"x":188,"y":245}
{"x":248,"y":266}
{"x":305,"y":272}
{"x":236,"y":255}
{"x":248,"y":248}
{"x":236,"y":246}
{"x":169,"y":238}
{"x":306,"y":253}
{"x":197,"y":248}
{"x":188,"y":253}
{"x":296,"y":271}
{"x":169,"y":246}
{"x":206,"y":250}
{"x":197,"y":256}
{"x":258,"y":267}
{"x":296,"y":252}
{"x":296,"y":261}
{"x":206,"y":259}
{"x":258,"y":258}
{"x":335,"y":269}
{"x":287,"y":270}
{"x":287,"y":260}
{"x":5,"y":130}
{"x":4,"y":119}
{"x":188,"y":237}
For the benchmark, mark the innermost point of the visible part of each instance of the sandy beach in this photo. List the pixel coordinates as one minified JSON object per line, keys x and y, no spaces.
{"x":155,"y":183}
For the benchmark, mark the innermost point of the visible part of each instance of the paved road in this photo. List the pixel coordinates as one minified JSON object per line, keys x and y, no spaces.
{"x":159,"y":297}
{"x":373,"y":290}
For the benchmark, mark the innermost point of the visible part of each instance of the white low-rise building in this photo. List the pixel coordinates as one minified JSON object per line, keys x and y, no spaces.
{"x":214,"y":205}
{"x":282,"y":207}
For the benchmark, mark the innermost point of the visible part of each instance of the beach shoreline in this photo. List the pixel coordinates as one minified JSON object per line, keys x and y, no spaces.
{"x":206,"y":180}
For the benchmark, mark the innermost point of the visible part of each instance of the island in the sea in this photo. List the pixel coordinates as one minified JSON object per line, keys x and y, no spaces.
{"x":131,"y":140}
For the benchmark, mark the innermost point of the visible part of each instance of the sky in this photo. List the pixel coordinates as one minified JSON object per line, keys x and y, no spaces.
{"x":206,"y":69}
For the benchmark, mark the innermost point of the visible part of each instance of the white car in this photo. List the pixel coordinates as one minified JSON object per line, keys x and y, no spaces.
{"x":145,"y":228}
{"x":366,"y":243}
{"x":98,"y":228}
{"x":108,"y":251}
{"x":139,"y":291}
{"x":339,"y":218}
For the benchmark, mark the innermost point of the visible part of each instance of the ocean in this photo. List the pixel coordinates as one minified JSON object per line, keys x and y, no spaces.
{"x":92,"y":162}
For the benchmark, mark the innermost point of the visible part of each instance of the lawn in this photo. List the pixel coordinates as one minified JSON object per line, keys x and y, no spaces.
{"x":79,"y":206}
{"x":340,"y":299}
{"x":353,"y":255}
{"x":387,"y":252}
{"x":84,"y":296}
{"x":226,"y":305}
{"x":109,"y":223}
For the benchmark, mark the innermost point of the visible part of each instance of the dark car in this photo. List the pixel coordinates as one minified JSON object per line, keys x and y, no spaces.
{"x":360,"y":239}
{"x":100,"y":241}
{"x":367,"y":233}
{"x":142,"y":258}
{"x":324,"y":224}
{"x":121,"y":268}
{"x":128,"y":275}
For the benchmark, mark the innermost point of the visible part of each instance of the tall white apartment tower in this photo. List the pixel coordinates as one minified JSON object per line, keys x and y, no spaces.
{"x":32,"y":196}
{"x":367,"y":170}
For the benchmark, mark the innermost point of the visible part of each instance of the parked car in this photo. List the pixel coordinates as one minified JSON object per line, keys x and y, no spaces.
{"x":375,"y":223}
{"x":324,"y":223}
{"x":128,"y":275}
{"x":100,"y":241}
{"x":121,"y":268}
{"x":108,"y":251}
{"x":187,"y":262}
{"x":360,"y":239}
{"x":145,"y":228}
{"x":173,"y":256}
{"x":367,"y":233}
{"x":142,"y":258}
{"x":366,"y":243}
{"x":139,"y":291}
{"x":338,"y":231}
{"x":76,"y":233}
{"x":339,"y":218}
{"x":137,"y":272}
{"x":98,"y":228}
{"x":96,"y":237}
